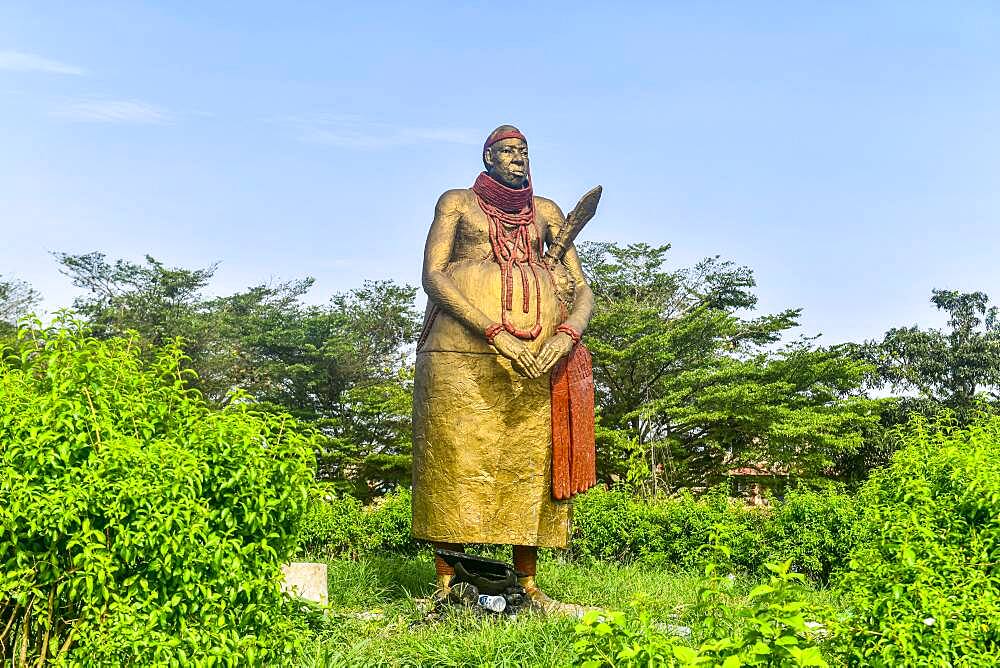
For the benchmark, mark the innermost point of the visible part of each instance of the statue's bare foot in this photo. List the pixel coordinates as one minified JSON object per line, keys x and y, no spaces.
{"x":542,"y":602}
{"x":442,"y":589}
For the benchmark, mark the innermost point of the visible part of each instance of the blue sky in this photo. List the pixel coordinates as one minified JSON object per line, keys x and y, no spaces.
{"x":848,"y":152}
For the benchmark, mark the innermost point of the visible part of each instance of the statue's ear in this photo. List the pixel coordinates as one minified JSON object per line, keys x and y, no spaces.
{"x":488,"y":157}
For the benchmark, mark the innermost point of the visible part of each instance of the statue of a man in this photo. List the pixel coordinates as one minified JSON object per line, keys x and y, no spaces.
{"x":498,"y":323}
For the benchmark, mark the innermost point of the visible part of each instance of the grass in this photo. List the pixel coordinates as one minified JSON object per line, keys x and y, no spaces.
{"x":401,"y":636}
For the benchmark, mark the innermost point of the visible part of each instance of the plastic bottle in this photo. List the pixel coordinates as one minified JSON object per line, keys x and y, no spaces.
{"x":494,"y":603}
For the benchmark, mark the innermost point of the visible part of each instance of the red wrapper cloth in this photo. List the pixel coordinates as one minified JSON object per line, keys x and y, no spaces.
{"x":574,"y":457}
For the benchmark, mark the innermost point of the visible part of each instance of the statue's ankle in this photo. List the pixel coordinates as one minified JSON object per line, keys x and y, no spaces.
{"x":531,"y":589}
{"x":443,"y":583}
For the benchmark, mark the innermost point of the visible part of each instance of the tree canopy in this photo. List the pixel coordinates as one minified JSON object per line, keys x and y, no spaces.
{"x":341,"y":367}
{"x":688,"y":387}
{"x":16,"y":300}
{"x":956,"y":367}
{"x":692,"y":380}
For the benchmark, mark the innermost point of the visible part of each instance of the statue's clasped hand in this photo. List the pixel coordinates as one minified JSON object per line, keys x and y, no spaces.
{"x":553,"y":350}
{"x":523,"y":360}
{"x":514,"y":349}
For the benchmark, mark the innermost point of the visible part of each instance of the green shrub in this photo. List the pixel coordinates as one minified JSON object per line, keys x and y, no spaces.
{"x":811,"y":528}
{"x":774,"y":628}
{"x":613,"y":526}
{"x":924,"y":582}
{"x":332,"y":524}
{"x":137,"y":526}
{"x":389,"y":522}
{"x":340,"y":525}
{"x":814,"y":529}
{"x":614,"y":638}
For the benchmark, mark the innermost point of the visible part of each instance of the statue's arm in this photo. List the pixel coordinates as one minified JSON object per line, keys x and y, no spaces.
{"x":583,"y":298}
{"x":440,"y":288}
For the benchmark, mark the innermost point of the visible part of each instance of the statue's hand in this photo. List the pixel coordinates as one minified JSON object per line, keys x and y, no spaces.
{"x":565,"y":285}
{"x":558,"y":345}
{"x":518,"y":353}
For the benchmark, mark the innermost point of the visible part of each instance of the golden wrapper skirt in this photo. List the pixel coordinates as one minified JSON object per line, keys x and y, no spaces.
{"x":482,"y":457}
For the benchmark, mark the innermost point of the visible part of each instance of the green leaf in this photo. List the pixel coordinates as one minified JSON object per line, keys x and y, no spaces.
{"x":686,"y":655}
{"x":811,"y":657}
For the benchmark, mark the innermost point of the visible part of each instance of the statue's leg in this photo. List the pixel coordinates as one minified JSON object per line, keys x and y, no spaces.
{"x":441,"y":567}
{"x":525,"y":559}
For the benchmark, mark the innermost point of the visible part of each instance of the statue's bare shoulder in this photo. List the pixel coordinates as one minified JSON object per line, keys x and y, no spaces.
{"x":550,"y":213}
{"x":454,"y":202}
{"x":547,"y":207}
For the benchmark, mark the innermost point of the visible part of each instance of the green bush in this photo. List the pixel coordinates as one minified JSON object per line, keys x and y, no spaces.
{"x":814,"y":529}
{"x":811,"y":528}
{"x":924,"y":582}
{"x":389,"y":522}
{"x":613,"y":526}
{"x":332,"y":524}
{"x":775,"y":627}
{"x":336,"y":525}
{"x":138,"y":526}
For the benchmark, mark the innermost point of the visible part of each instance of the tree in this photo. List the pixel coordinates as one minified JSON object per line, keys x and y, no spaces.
{"x":957,"y":368}
{"x":157,"y":301}
{"x":16,"y":299}
{"x":342,"y":367}
{"x":687,"y":388}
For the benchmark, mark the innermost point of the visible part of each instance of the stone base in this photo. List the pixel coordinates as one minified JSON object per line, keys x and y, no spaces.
{"x":306,"y":580}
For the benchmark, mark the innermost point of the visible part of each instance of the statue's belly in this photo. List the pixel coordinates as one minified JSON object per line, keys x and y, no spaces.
{"x":480,"y":282}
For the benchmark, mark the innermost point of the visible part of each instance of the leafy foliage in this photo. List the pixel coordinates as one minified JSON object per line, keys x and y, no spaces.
{"x":777,"y":628}
{"x":16,"y":300}
{"x":158,"y":302}
{"x":773,"y":629}
{"x":689,"y":388}
{"x":339,"y":525}
{"x":138,"y":526}
{"x":341,"y":367}
{"x":812,"y":527}
{"x":613,"y":638}
{"x":924,"y":584}
{"x":950,"y":368}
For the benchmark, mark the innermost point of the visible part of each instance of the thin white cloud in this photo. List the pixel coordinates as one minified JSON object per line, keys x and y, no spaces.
{"x":113,"y":111}
{"x":356,"y":133}
{"x":18,"y":61}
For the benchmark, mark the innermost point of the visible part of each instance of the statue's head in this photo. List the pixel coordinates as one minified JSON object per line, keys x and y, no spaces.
{"x":505,"y":155}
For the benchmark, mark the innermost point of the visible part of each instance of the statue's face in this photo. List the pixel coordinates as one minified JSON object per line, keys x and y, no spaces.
{"x":507,"y":162}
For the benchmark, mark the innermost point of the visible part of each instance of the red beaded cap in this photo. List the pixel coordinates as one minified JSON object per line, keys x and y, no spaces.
{"x":506,"y":134}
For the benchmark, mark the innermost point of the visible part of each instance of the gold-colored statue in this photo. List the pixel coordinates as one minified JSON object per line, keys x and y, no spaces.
{"x":501,"y":386}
